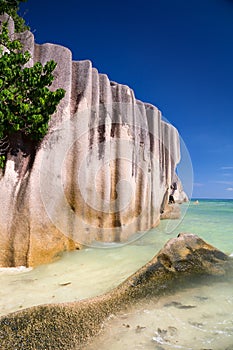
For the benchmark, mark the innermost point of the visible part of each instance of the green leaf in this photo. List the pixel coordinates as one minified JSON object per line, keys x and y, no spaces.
{"x":26,"y":103}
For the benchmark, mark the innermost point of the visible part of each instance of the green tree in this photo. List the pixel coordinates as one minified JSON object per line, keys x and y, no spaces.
{"x":11,"y":7}
{"x":26,"y":103}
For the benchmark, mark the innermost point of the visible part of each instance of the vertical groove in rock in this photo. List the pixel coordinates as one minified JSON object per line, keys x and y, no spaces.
{"x":101,"y":174}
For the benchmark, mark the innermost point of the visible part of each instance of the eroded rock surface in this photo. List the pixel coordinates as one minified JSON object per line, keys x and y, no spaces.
{"x":71,"y":325}
{"x":103,"y":172}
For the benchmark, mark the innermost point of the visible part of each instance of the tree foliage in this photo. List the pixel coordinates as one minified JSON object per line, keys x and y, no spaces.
{"x":26,"y":103}
{"x":11,"y":7}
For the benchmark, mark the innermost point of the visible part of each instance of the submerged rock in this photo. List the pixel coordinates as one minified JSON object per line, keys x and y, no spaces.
{"x":71,"y":325}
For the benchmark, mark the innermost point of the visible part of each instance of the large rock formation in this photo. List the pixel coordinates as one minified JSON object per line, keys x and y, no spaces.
{"x":102,"y":173}
{"x":69,"y":326}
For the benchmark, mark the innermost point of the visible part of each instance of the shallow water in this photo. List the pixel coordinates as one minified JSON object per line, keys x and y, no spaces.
{"x":82,"y":274}
{"x":195,"y":318}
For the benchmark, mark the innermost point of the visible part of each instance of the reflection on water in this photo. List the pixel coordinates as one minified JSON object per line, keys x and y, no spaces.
{"x":200,"y":317}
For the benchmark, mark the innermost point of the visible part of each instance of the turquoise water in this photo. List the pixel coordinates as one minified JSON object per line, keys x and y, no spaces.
{"x":210,"y":219}
{"x":92,"y":271}
{"x":213,"y":220}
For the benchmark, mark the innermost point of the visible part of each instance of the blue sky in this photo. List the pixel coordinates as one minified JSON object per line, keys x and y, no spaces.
{"x":177,"y":55}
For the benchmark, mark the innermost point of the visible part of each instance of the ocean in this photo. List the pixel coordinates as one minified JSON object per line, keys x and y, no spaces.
{"x":196,"y":317}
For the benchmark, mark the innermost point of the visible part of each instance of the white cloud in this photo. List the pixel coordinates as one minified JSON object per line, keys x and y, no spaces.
{"x":223,"y":182}
{"x":229,"y":189}
{"x":198,"y":184}
{"x":227,"y":167}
